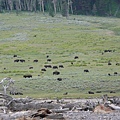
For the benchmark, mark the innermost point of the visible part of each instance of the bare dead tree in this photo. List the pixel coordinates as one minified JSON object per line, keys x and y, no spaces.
{"x":6,"y":82}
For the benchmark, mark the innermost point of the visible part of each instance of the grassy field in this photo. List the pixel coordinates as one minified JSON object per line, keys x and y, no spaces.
{"x":33,"y":36}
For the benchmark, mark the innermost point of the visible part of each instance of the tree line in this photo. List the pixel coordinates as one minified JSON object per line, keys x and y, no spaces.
{"x":65,"y":7}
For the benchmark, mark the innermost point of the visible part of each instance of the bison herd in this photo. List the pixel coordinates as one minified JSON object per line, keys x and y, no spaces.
{"x":56,"y":68}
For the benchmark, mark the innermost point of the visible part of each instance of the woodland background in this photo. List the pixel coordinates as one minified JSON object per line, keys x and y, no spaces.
{"x":65,"y":7}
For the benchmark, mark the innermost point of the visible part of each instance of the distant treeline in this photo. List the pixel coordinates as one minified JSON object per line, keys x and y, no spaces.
{"x":65,"y":7}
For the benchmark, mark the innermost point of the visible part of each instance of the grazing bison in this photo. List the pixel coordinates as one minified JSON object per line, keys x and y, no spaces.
{"x":107,"y":50}
{"x":61,"y":66}
{"x":17,"y":60}
{"x":55,"y":67}
{"x":30,"y":67}
{"x":48,"y":60}
{"x":109,"y":63}
{"x":22,"y":60}
{"x":109,"y":74}
{"x":43,"y":69}
{"x":115,"y":73}
{"x":86,"y":70}
{"x":14,"y":55}
{"x":47,"y":66}
{"x":27,"y":76}
{"x":56,"y":73}
{"x":90,"y":92}
{"x":76,"y":57}
{"x":59,"y":79}
{"x":112,"y":91}
{"x":47,"y":56}
{"x":35,"y":60}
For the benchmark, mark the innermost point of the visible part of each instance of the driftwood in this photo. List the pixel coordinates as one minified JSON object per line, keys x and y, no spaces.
{"x":114,"y":107}
{"x":30,"y":109}
{"x":60,"y":110}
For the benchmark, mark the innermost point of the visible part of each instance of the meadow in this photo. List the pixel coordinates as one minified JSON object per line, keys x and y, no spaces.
{"x":33,"y":36}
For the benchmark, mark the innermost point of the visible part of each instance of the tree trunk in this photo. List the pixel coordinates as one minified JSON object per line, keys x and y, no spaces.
{"x":42,"y":3}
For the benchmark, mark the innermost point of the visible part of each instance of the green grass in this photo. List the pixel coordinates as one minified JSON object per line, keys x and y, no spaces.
{"x":85,"y":36}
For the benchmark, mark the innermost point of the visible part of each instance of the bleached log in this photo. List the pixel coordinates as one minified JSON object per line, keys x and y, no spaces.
{"x":114,"y":107}
{"x":20,"y":114}
{"x":60,"y":110}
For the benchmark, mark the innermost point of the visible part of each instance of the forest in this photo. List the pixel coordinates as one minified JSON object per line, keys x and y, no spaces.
{"x":64,"y":7}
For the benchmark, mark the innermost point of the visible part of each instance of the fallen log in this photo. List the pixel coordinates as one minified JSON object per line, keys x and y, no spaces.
{"x":114,"y":107}
{"x":60,"y":110}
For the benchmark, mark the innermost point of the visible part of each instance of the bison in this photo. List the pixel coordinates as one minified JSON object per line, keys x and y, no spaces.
{"x":47,"y":66}
{"x":17,"y":60}
{"x":35,"y":60}
{"x":55,"y":67}
{"x":30,"y":67}
{"x":48,"y":60}
{"x":56,"y":73}
{"x":76,"y":57}
{"x":59,"y":79}
{"x":22,"y":60}
{"x":14,"y":55}
{"x":27,"y":76}
{"x":43,"y":69}
{"x":61,"y":66}
{"x":109,"y":63}
{"x":90,"y":92}
{"x":86,"y":70}
{"x":115,"y":73}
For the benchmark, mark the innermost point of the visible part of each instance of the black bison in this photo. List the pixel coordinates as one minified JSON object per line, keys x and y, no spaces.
{"x":48,"y":60}
{"x":55,"y":67}
{"x":47,"y":66}
{"x":112,"y":91}
{"x":109,"y":74}
{"x":43,"y":69}
{"x":22,"y":60}
{"x":47,"y":56}
{"x":107,"y":50}
{"x":14,"y":55}
{"x":17,"y":60}
{"x":61,"y":66}
{"x":27,"y":76}
{"x":115,"y":73}
{"x":56,"y":73}
{"x":86,"y":70}
{"x":109,"y":63}
{"x":59,"y":79}
{"x":76,"y":57}
{"x":90,"y":92}
{"x":35,"y":60}
{"x":30,"y":67}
